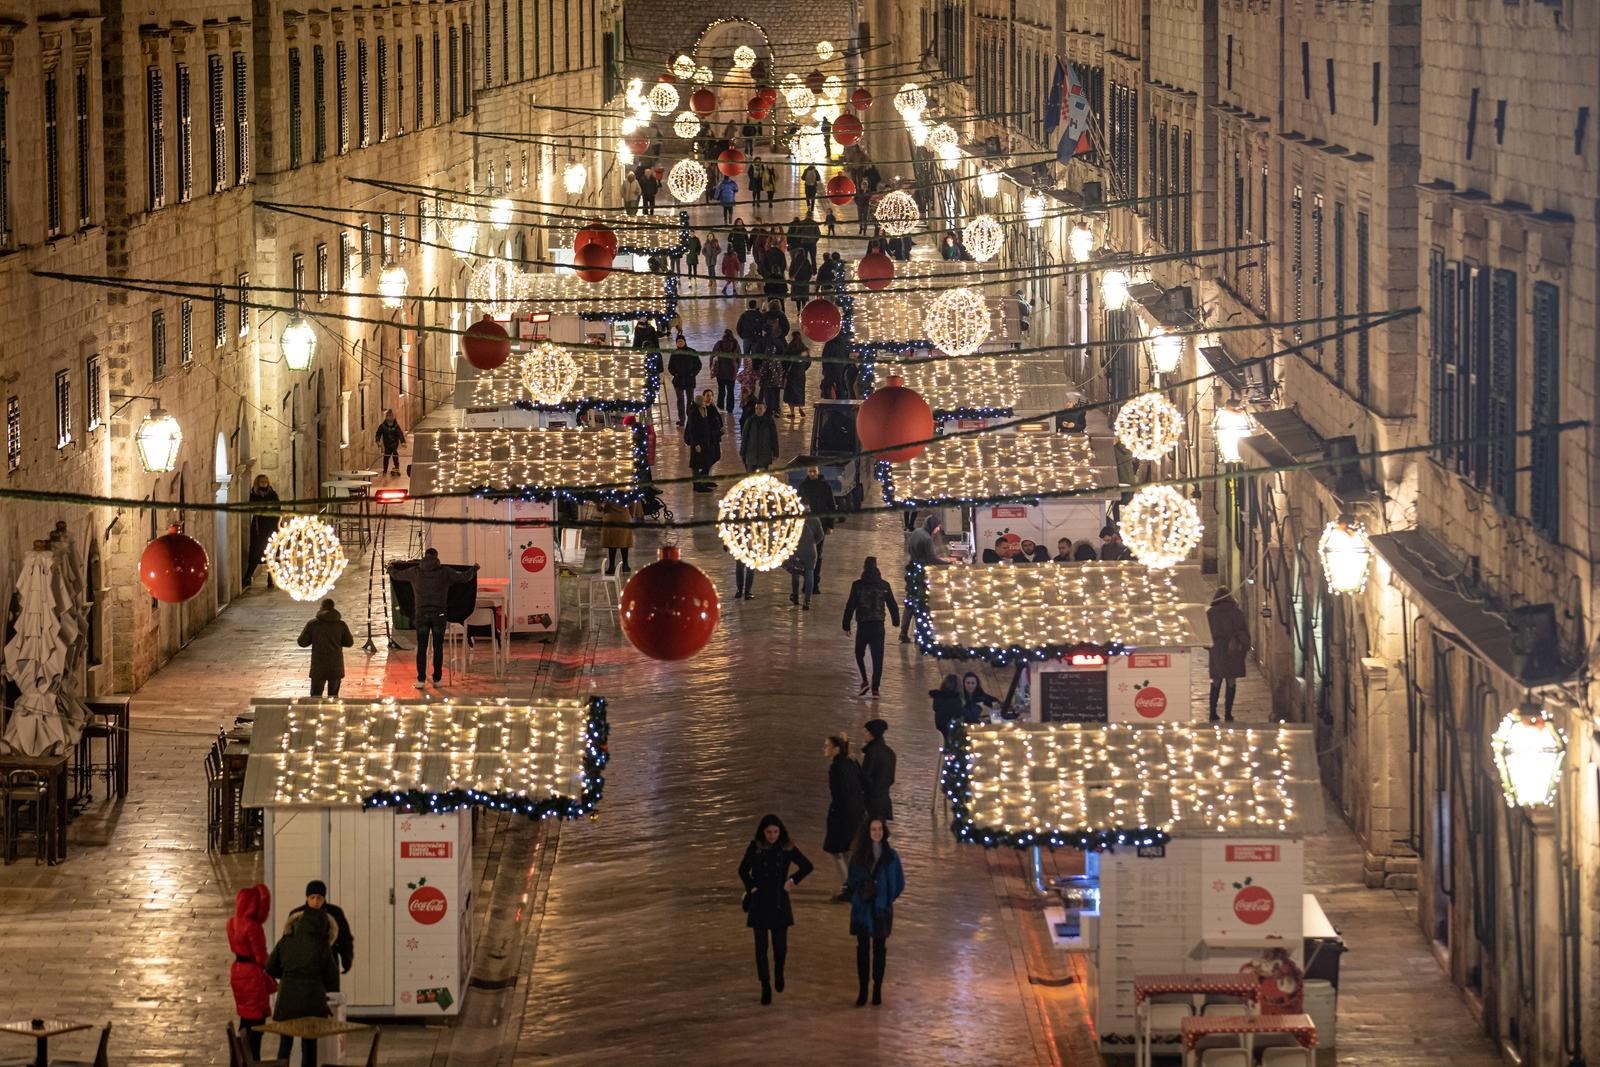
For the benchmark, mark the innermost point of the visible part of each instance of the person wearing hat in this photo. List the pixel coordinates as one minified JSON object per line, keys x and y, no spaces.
{"x":344,"y":944}
{"x":877,"y":771}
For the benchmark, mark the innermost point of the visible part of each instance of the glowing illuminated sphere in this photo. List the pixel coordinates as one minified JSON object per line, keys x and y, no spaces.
{"x":759,"y":521}
{"x":683,"y":67}
{"x":1161,"y":526}
{"x":305,"y":557}
{"x":824,"y":50}
{"x":820,"y":320}
{"x":847,"y":130}
{"x":875,"y":271}
{"x":670,"y":608}
{"x":686,"y":181}
{"x":983,"y":238}
{"x":801,"y":101}
{"x":917,"y":130}
{"x":949,"y":156}
{"x":730,"y":162}
{"x":897,"y":213}
{"x":1149,"y":426}
{"x":910,"y":100}
{"x":498,"y":286}
{"x":833,"y":88}
{"x":174,"y":567}
{"x":894,"y":422}
{"x":548,"y":373}
{"x":500,"y":211}
{"x":663,"y":98}
{"x":941,"y":135}
{"x":486,"y":344}
{"x":744,"y":57}
{"x":686,"y":125}
{"x":703,"y":76}
{"x":957,"y":321}
{"x":841,"y":189}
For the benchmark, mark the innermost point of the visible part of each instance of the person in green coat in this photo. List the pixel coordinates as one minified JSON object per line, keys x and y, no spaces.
{"x":302,"y":962}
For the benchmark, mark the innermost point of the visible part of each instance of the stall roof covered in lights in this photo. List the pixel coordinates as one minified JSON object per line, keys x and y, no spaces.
{"x":640,"y":235}
{"x":540,"y":758}
{"x":610,"y":379}
{"x":1006,"y":612}
{"x":622,"y":294}
{"x":592,"y":465}
{"x":1096,"y":786}
{"x":991,"y":468}
{"x":973,"y":387}
{"x":892,"y":319}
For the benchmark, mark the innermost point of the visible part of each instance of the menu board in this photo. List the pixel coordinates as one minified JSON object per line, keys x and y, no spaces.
{"x":1073,"y":695}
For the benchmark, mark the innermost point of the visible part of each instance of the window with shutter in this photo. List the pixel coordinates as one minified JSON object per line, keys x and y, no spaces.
{"x":13,"y":433}
{"x":1266,"y":275}
{"x":366,"y":250}
{"x":294,"y":107}
{"x":246,"y":315}
{"x":341,"y":93}
{"x":1160,"y":184}
{"x":363,"y":129}
{"x":1449,"y":386}
{"x":94,"y":410}
{"x":241,"y":119}
{"x":347,"y":260}
{"x":219,"y":318}
{"x":1544,"y":456}
{"x":466,"y":68}
{"x":385,"y":238}
{"x":488,"y":42}
{"x":5,"y":167}
{"x":416,"y":66}
{"x":436,"y":79}
{"x":52,"y":158}
{"x":156,"y":137}
{"x":383,"y":88}
{"x":1297,"y":259}
{"x":455,"y":100}
{"x":185,"y":116}
{"x":399,"y":86}
{"x":319,"y":102}
{"x":82,"y":136}
{"x":1338,"y":292}
{"x":1474,"y":357}
{"x":1316,"y":268}
{"x":322,"y":272}
{"x":1186,"y":205}
{"x":297,"y":269}
{"x":219,"y":130}
{"x":1503,"y":389}
{"x":522,"y":59}
{"x":158,"y":344}
{"x":186,"y":332}
{"x":63,"y":408}
{"x":1363,"y":306}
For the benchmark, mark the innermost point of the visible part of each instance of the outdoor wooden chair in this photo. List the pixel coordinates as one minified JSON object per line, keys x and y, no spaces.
{"x":99,"y":1060}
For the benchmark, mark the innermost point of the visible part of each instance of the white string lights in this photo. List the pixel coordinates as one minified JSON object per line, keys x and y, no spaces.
{"x":500,"y":212}
{"x":800,"y":100}
{"x":1161,"y":525}
{"x":917,"y":130}
{"x":1528,"y":752}
{"x":524,"y":460}
{"x":1346,"y":556}
{"x":548,"y":373}
{"x":609,"y":377}
{"x":949,"y":156}
{"x":1149,"y":426}
{"x":1012,"y":466}
{"x":941,"y":135}
{"x":459,"y":228}
{"x":686,"y":125}
{"x":686,"y":181}
{"x":897,"y":213}
{"x":305,"y":557}
{"x":956,"y":321}
{"x":824,"y":50}
{"x":910,"y":100}
{"x":498,"y":287}
{"x":744,"y":57}
{"x":683,"y":67}
{"x":760,"y":521}
{"x":662,"y":98}
{"x":983,"y":237}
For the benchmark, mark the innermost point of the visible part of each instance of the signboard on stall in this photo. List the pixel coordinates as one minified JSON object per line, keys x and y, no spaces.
{"x":533,"y":568}
{"x":1140,"y":687}
{"x":433,"y":910}
{"x":1044,"y":524}
{"x":1250,"y":888}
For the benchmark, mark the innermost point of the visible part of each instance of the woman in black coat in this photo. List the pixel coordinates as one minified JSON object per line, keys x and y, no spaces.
{"x":947,"y":709}
{"x":262,"y":527}
{"x":703,"y":434}
{"x":796,"y":361}
{"x":767,"y":882}
{"x":1230,"y":644}
{"x":847,"y":807}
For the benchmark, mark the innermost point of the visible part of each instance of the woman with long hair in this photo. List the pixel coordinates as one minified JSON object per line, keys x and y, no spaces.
{"x":975,"y":700}
{"x":875,"y":880}
{"x":262,"y":527}
{"x":847,"y":807}
{"x":765,"y":872}
{"x":1230,"y":645}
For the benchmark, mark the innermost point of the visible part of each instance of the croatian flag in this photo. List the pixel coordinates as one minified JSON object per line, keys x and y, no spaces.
{"x":1075,"y":138}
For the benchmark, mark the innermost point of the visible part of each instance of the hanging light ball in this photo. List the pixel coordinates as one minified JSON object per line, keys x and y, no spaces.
{"x":861,"y":99}
{"x":392,"y":283}
{"x":847,"y":129}
{"x":1148,"y":426}
{"x":1528,"y":752}
{"x":759,"y":521}
{"x":639,"y":142}
{"x":703,"y":76}
{"x":833,"y":88}
{"x":824,"y":50}
{"x":575,"y":178}
{"x":686,"y":181}
{"x":1114,"y":289}
{"x":157,"y":441}
{"x":910,"y":100}
{"x":500,"y":211}
{"x":941,"y":135}
{"x":663,"y":98}
{"x":744,"y":57}
{"x":670,"y":608}
{"x":1231,"y":426}
{"x":983,"y":238}
{"x":1346,"y":556}
{"x":820,"y":320}
{"x":875,"y":271}
{"x":816,"y":82}
{"x":596,"y":232}
{"x":1080,"y":242}
{"x":486,"y":344}
{"x":1161,"y":526}
{"x":730,"y":162}
{"x":1033,"y":208}
{"x":917,"y":130}
{"x":702,"y":101}
{"x":174,"y":567}
{"x":988,"y":183}
{"x":897,"y":213}
{"x":548,"y":373}
{"x":592,"y":263}
{"x":956,"y":321}
{"x":305,"y":557}
{"x":298,"y":343}
{"x":801,"y":100}
{"x":893,"y":422}
{"x":683,"y":67}
{"x":686,"y":125}
{"x":497,"y":286}
{"x":461,"y":229}
{"x":841,"y":189}
{"x":1166,"y":351}
{"x":949,"y":156}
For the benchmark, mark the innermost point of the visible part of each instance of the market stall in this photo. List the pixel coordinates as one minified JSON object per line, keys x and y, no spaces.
{"x":374,"y":799}
{"x":615,"y":379}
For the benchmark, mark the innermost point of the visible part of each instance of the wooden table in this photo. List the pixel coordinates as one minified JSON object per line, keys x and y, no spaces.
{"x":53,"y":769}
{"x":1300,"y":1027}
{"x":311,"y":1027}
{"x":42,"y":1035}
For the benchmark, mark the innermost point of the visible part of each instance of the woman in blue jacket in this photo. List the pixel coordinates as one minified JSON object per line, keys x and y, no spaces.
{"x":876,"y":879}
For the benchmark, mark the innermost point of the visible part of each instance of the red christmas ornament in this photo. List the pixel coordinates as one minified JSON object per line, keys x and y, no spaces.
{"x":891,"y":418}
{"x":861,"y":99}
{"x":730,"y":162}
{"x":592,"y":263}
{"x":759,"y":107}
{"x":847,"y":129}
{"x":595,"y":232}
{"x":638,"y":143}
{"x":815,"y":81}
{"x":769,"y":94}
{"x":820,"y":320}
{"x":841,"y":190}
{"x":875,"y":270}
{"x":670,"y":608}
{"x":174,"y":567}
{"x":486,"y":344}
{"x":660,"y":172}
{"x":702,"y":101}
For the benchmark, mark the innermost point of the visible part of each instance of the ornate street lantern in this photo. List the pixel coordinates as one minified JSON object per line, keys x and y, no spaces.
{"x":1528,"y":750}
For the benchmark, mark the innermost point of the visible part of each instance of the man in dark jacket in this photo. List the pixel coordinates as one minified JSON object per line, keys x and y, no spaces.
{"x":391,"y":437}
{"x":683,"y":366}
{"x":817,"y":495}
{"x":430,"y":584}
{"x":327,"y":637}
{"x":645,"y":335}
{"x":836,"y":368}
{"x":305,"y":969}
{"x":344,"y":942}
{"x":777,"y":322}
{"x":649,"y":185}
{"x":877,"y":771}
{"x":1111,"y":546}
{"x":750,"y":326}
{"x":922,"y":551}
{"x":870,"y":598}
{"x":725,"y":368}
{"x":760,"y":446}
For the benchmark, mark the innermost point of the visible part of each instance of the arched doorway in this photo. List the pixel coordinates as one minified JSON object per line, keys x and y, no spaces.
{"x":734,"y":86}
{"x":222,"y":475}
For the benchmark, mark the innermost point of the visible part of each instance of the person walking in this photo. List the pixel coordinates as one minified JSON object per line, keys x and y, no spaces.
{"x":870,"y":598}
{"x":649,"y":185}
{"x":770,"y":371}
{"x":691,"y":253}
{"x":771,"y":868}
{"x":810,"y":178}
{"x":796,"y":361}
{"x":344,"y":942}
{"x":684,"y":366}
{"x":302,"y":962}
{"x":1230,"y":645}
{"x":751,"y":325}
{"x":759,"y":449}
{"x":327,"y":636}
{"x":835,"y":368}
{"x":616,"y":532}
{"x":247,"y":940}
{"x":817,"y":495}
{"x":262,"y":527}
{"x":877,"y":770}
{"x":727,"y":194}
{"x":922,"y":551}
{"x":777,"y":323}
{"x":712,"y":249}
{"x":801,"y":271}
{"x":847,"y":809}
{"x":803,"y":564}
{"x":755,"y":178}
{"x":863,"y":199}
{"x":391,"y":437}
{"x":876,"y":880}
{"x":947,"y":709}
{"x":774,"y":266}
{"x":703,"y":436}
{"x":430,"y":593}
{"x":725,"y":369}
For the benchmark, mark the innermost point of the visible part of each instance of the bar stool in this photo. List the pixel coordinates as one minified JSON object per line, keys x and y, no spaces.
{"x":26,"y":789}
{"x":604,"y":595}
{"x":100,"y":729}
{"x":214,"y":787}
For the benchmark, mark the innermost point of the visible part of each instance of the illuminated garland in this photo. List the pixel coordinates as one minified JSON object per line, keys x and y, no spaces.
{"x":608,"y":492}
{"x":1007,"y":468}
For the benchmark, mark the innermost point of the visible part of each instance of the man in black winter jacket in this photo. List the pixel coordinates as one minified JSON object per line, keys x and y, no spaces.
{"x":344,"y":942}
{"x":817,"y":495}
{"x":750,"y":325}
{"x":391,"y":437}
{"x":430,"y":586}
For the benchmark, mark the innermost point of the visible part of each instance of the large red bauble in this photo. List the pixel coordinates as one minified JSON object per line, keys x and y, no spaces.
{"x":637,"y":143}
{"x":861,"y":99}
{"x":596,"y":233}
{"x":592,"y":263}
{"x":702,"y":101}
{"x":841,"y":190}
{"x":174,"y":567}
{"x":815,"y":81}
{"x":894,"y":416}
{"x":486,"y":344}
{"x":660,"y":172}
{"x":670,"y":608}
{"x":759,"y":107}
{"x":847,"y":129}
{"x":769,"y":94}
{"x":875,"y":270}
{"x":820,"y":320}
{"x":730,"y":162}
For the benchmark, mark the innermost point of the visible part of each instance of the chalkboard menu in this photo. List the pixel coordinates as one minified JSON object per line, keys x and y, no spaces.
{"x":1073,"y":696}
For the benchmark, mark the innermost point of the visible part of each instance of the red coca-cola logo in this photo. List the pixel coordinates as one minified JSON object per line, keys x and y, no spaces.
{"x":534,"y":559}
{"x":1252,"y":905}
{"x":427,"y":905}
{"x":1150,"y":702}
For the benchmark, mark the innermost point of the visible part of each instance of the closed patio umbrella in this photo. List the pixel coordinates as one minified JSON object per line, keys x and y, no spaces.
{"x":35,"y":660}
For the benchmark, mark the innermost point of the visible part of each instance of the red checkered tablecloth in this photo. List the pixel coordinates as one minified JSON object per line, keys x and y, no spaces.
{"x":1299,"y":1027}
{"x":1146,"y":986}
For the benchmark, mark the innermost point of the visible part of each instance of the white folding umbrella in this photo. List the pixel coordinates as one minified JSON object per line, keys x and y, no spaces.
{"x":36,"y":660}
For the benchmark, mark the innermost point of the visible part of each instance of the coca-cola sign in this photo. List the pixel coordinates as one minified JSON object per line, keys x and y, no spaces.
{"x":1252,"y":904}
{"x":427,"y":904}
{"x":1150,"y":702}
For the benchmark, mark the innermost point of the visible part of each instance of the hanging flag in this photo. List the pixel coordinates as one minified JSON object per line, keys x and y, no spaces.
{"x":1075,"y":138}
{"x":1052,"y":107}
